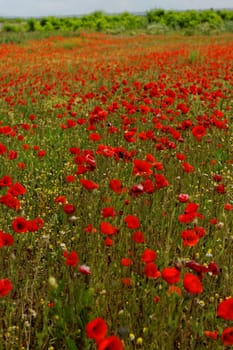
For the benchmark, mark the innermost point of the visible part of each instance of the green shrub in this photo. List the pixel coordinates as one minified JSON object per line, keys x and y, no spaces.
{"x":32,"y":25}
{"x":10,"y":28}
{"x":154,"y":16}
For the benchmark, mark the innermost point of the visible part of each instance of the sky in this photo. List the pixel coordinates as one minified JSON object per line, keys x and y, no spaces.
{"x":36,"y":8}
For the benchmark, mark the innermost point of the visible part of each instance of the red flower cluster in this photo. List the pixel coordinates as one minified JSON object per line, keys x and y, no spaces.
{"x":190,"y":213}
{"x":5,"y":287}
{"x":10,"y":198}
{"x":22,"y":225}
{"x":225,"y":311}
{"x":150,"y":268}
{"x":97,"y":330}
{"x":6,"y":239}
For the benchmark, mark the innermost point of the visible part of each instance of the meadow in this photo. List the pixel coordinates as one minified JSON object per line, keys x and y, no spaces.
{"x":116,"y":192}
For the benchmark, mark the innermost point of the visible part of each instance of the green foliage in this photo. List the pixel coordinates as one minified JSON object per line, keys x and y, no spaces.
{"x":10,"y":28}
{"x":171,"y":19}
{"x":188,"y":19}
{"x":154,"y":21}
{"x":32,"y":25}
{"x":155,"y":15}
{"x":210,"y":16}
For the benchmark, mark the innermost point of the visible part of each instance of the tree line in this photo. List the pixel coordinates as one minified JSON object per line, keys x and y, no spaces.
{"x":154,"y":20}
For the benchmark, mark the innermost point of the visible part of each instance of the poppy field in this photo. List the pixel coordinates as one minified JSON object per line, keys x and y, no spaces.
{"x":116,"y":192}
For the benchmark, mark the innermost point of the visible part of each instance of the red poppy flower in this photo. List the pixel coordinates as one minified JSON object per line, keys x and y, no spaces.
{"x":60,"y":199}
{"x":21,"y":165}
{"x":5,"y":181}
{"x":148,"y":256}
{"x":84,"y":269}
{"x":141,"y":167}
{"x":193,"y":265}
{"x":3,"y":149}
{"x":136,"y":190}
{"x":160,"y":181}
{"x":5,"y":287}
{"x":227,"y":336}
{"x":156,"y":299}
{"x":220,"y":188}
{"x":190,"y":238}
{"x":94,"y":137}
{"x":26,"y":147}
{"x":107,"y":229}
{"x":70,"y":123}
{"x":188,"y":168}
{"x":180,"y":156}
{"x":151,"y":270}
{"x":116,"y":185}
{"x":72,"y":258}
{"x":200,"y":231}
{"x":147,"y":186}
{"x":10,"y":201}
{"x":138,"y":237}
{"x":126,"y":262}
{"x":183,"y":197}
{"x":190,"y":213}
{"x":192,"y":283}
{"x":171,"y":275}
{"x":82,"y":170}
{"x":225,"y":309}
{"x":187,"y":218}
{"x":41,"y":153}
{"x":150,"y":158}
{"x":69,"y":209}
{"x":108,"y":242}
{"x":12,"y":155}
{"x":89,"y":184}
{"x":132,"y":221}
{"x":32,"y":117}
{"x":35,"y":224}
{"x":90,"y":228}
{"x":191,"y":208}
{"x":96,"y":329}
{"x":6,"y":239}
{"x":228,"y":206}
{"x":126,"y":281}
{"x":211,"y":334}
{"x":213,"y":221}
{"x":128,"y":136}
{"x":70,"y":178}
{"x":108,"y":212}
{"x":110,"y":343}
{"x":174,"y":290}
{"x":213,"y":267}
{"x":198,"y":132}
{"x":17,"y":189}
{"x":20,"y":225}
{"x":217,"y":177}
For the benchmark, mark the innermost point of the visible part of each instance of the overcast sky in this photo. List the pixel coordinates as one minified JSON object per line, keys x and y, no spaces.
{"x":21,"y":8}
